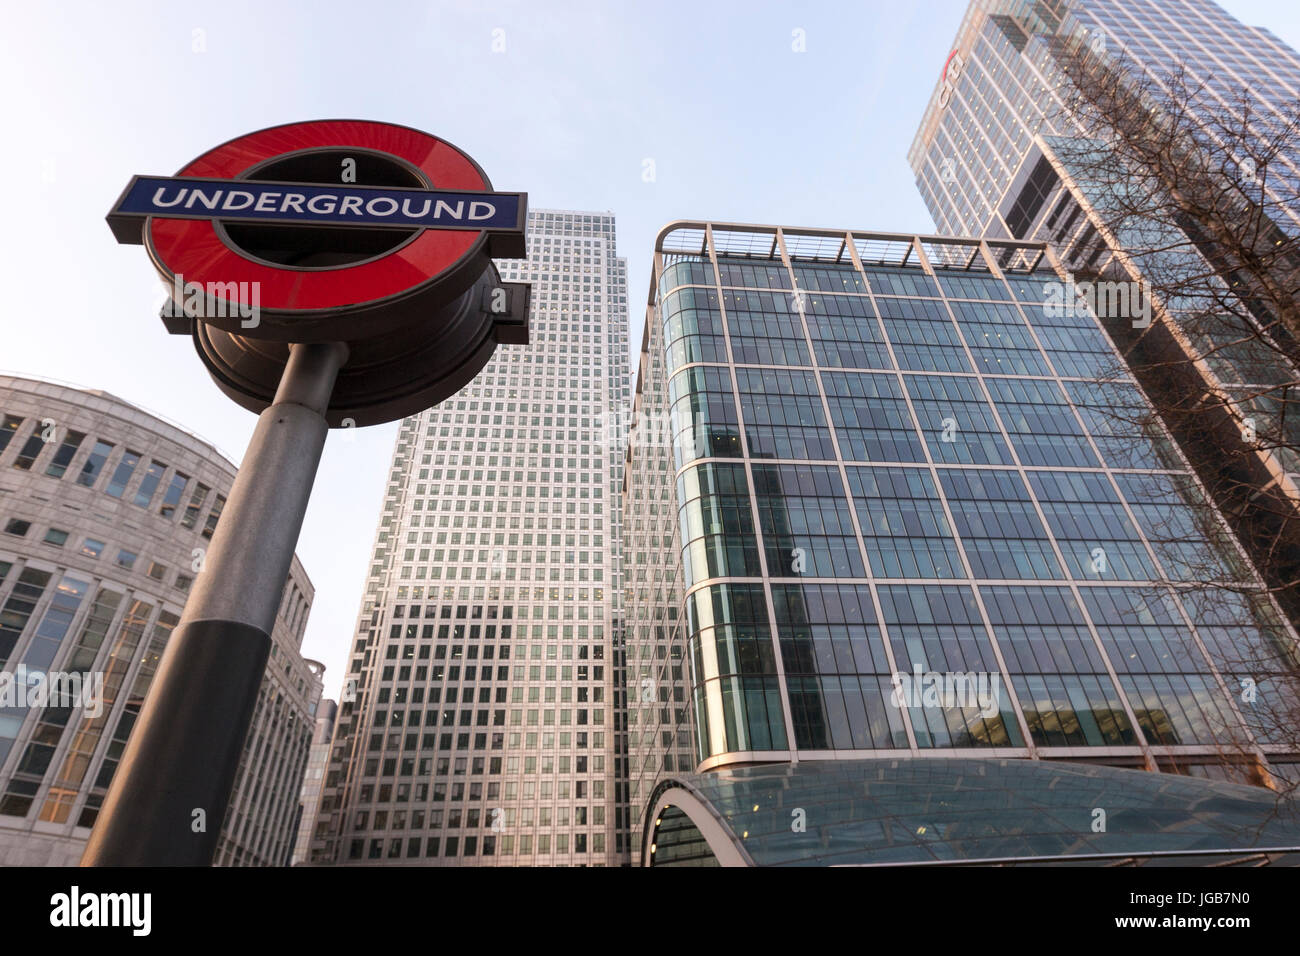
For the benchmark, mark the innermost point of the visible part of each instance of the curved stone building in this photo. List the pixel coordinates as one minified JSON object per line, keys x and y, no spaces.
{"x":105,"y":515}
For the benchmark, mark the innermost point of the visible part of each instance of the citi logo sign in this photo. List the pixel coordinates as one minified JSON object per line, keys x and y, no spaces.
{"x":77,"y":909}
{"x":951,"y":73}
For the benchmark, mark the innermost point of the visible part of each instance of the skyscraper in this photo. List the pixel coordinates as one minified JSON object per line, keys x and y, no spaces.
{"x":477,"y":725}
{"x":105,"y":514}
{"x":983,"y":155}
{"x":874,"y":508}
{"x":1003,"y":150}
{"x":313,"y":777}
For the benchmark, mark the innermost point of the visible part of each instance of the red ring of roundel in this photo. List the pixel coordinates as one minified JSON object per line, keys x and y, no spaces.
{"x":191,"y":247}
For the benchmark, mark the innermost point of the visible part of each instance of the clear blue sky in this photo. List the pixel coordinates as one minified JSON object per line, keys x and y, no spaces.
{"x":739,"y":127}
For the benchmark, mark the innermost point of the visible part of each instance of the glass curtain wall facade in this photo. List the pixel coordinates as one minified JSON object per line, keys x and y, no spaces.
{"x":478,"y":725}
{"x":862,"y":463}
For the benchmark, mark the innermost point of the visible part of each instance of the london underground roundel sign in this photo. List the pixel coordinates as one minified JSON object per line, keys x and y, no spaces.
{"x":372,"y":234}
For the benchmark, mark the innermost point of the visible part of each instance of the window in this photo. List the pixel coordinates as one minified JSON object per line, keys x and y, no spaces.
{"x":92,"y":548}
{"x":1085,"y":514}
{"x":716,"y":508}
{"x":213,"y":516}
{"x":805,"y":523}
{"x":18,"y":608}
{"x":126,"y":559}
{"x":172,"y":497}
{"x":1038,"y":420}
{"x":1055,"y":667}
{"x":783,"y":414}
{"x":1042,"y":181}
{"x":704,"y":415}
{"x":197,"y":497}
{"x":7,"y":429}
{"x":871,"y":418}
{"x":149,"y":484}
{"x":956,"y":421}
{"x":31,"y":450}
{"x":94,"y":463}
{"x":56,"y":537}
{"x":122,"y":474}
{"x":183,"y":582}
{"x":903,"y":524}
{"x":17,"y":526}
{"x":157,"y":571}
{"x":939,"y":627}
{"x":59,"y":463}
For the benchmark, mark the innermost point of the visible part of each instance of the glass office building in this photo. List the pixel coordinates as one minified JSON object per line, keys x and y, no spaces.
{"x":875,"y":507}
{"x":478,"y":720}
{"x":999,"y":153}
{"x":983,"y":155}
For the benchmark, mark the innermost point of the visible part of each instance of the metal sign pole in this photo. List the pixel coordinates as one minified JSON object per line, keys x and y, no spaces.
{"x":168,"y":798}
{"x":418,"y":319}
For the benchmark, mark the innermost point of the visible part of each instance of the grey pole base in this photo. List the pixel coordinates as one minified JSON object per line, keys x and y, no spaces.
{"x":168,"y":799}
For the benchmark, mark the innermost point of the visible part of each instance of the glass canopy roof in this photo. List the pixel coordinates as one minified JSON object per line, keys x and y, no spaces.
{"x":968,"y":810}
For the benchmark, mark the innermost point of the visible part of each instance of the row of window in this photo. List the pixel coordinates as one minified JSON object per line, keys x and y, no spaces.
{"x":126,"y":464}
{"x":453,"y":847}
{"x":870,"y":416}
{"x":904,"y":518}
{"x":472,"y":818}
{"x":93,"y":548}
{"x":845,"y":277}
{"x":439,"y":791}
{"x":842,"y":691}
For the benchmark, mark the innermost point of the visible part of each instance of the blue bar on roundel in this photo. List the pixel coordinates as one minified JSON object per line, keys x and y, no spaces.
{"x":317,"y":204}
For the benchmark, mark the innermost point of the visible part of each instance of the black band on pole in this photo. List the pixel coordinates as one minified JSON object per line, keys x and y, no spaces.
{"x":167,"y":818}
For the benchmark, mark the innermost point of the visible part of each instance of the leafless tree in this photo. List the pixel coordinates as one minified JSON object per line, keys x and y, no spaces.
{"x":1191,"y":193}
